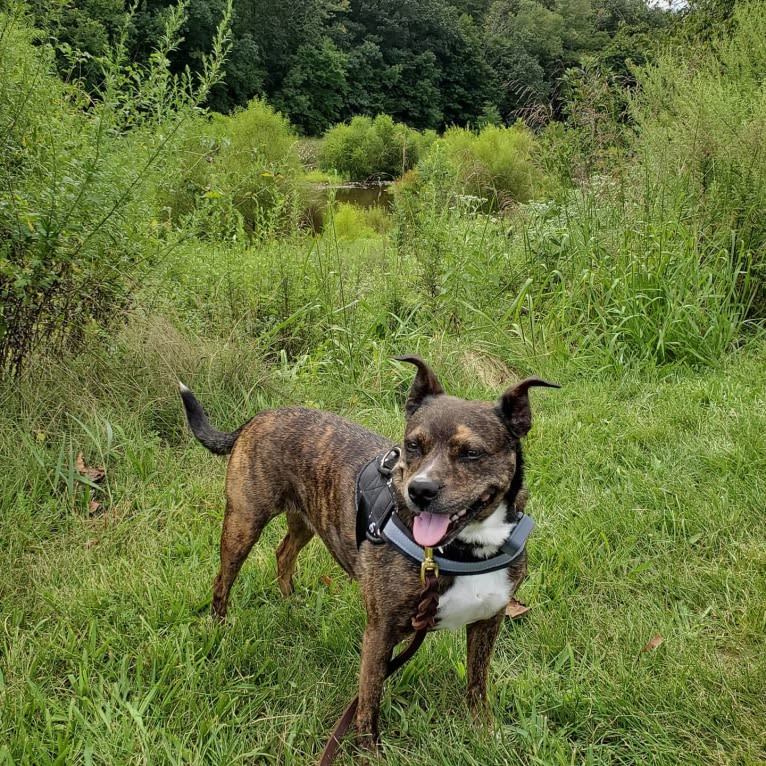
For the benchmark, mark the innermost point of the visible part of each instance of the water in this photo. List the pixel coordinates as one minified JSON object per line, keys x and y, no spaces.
{"x":361,"y":195}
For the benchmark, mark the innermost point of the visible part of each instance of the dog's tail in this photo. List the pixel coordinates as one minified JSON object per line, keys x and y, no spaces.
{"x":219,"y":442}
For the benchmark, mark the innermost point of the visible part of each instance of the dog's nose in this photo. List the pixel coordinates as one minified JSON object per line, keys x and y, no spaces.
{"x":422,"y":491}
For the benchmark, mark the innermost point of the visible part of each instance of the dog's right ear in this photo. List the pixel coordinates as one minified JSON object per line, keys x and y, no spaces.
{"x":425,"y":384}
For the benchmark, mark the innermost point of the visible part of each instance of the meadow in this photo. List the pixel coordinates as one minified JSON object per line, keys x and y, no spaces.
{"x":639,"y":287}
{"x":648,"y":494}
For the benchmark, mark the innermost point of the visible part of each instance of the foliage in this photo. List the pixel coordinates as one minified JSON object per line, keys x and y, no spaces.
{"x":427,"y":63}
{"x":701,"y":125}
{"x":367,"y":148}
{"x":237,"y":175}
{"x":594,"y":106}
{"x":496,"y":164}
{"x":76,"y":184}
{"x":529,"y":43}
{"x":701,"y":20}
{"x":351,"y":222}
{"x":315,"y":88}
{"x":420,"y":61}
{"x":625,"y":278}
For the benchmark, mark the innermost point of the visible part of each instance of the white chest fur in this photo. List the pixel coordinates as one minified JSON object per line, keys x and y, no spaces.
{"x":478,"y":597}
{"x":472,"y":598}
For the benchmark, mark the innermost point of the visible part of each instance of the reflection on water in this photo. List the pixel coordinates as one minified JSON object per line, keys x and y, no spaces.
{"x":361,"y":195}
{"x":364,"y":195}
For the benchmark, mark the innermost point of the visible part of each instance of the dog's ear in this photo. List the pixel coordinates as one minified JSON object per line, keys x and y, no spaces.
{"x":514,"y":405}
{"x":425,"y":384}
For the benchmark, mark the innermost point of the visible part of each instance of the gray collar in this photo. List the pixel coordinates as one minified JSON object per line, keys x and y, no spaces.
{"x":395,"y":533}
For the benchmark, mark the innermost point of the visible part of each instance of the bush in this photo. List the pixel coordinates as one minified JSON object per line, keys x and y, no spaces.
{"x":77,"y":183}
{"x":238,"y":175}
{"x":368,"y":148}
{"x":497,"y":164}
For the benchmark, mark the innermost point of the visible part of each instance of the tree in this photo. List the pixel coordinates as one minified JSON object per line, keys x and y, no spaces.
{"x":313,"y":92}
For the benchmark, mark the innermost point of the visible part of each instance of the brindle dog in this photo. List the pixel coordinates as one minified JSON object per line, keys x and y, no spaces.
{"x":457,"y":486}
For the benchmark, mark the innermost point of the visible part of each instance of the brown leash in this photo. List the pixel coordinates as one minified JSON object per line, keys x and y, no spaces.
{"x":423,"y":621}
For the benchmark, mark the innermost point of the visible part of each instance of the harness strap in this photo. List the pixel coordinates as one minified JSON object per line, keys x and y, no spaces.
{"x":374,"y":499}
{"x":400,"y":537}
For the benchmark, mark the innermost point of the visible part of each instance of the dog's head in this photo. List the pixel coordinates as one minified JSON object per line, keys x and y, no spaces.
{"x":459,"y":457}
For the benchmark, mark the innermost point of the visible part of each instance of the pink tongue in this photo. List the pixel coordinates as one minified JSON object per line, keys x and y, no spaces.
{"x":429,"y":528}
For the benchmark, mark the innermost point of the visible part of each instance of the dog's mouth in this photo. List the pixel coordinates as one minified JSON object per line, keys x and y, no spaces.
{"x":434,"y":529}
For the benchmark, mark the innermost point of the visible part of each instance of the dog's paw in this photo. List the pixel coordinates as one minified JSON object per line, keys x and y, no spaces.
{"x":479,"y":708}
{"x":368,"y":752}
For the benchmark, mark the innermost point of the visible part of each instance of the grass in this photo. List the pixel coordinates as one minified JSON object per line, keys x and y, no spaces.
{"x":646,"y":487}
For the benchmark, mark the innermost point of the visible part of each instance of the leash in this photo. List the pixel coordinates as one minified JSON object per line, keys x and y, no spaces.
{"x":422,"y":622}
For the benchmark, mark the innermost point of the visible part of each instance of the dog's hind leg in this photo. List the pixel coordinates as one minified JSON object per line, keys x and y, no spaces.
{"x":242,"y":526}
{"x":298,"y":534}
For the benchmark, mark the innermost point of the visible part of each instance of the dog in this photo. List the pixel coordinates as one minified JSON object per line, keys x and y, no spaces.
{"x":456,"y":487}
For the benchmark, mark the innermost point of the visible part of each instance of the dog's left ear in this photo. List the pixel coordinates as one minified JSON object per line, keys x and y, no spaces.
{"x":425,"y":384}
{"x":514,"y":405}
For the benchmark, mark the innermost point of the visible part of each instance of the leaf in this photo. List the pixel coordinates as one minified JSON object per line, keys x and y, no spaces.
{"x":515,"y":609}
{"x":653,"y":643}
{"x":327,"y":582}
{"x":93,"y":506}
{"x":90,"y":472}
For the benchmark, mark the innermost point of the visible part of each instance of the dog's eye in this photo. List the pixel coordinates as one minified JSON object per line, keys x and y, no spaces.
{"x":472,"y":453}
{"x":412,"y":447}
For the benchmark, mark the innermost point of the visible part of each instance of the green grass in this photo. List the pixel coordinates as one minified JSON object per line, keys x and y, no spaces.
{"x":647,"y":489}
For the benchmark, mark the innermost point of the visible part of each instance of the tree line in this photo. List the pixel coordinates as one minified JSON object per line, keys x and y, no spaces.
{"x":427,"y":63}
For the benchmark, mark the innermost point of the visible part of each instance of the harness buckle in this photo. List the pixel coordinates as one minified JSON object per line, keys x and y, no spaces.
{"x":388,"y":461}
{"x":428,"y":565}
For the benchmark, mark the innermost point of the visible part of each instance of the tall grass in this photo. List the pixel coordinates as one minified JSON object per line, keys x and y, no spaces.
{"x":701,"y":124}
{"x":629,"y":281}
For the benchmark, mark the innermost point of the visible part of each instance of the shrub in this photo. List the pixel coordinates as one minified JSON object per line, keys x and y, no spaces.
{"x":76,"y":185}
{"x":498,"y":164}
{"x":368,"y":148}
{"x":237,"y":175}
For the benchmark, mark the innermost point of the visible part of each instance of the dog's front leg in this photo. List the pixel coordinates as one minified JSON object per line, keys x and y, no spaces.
{"x":480,"y":640}
{"x":377,"y":647}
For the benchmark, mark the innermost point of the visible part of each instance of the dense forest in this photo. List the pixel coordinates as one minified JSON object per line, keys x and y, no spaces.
{"x":426,"y":63}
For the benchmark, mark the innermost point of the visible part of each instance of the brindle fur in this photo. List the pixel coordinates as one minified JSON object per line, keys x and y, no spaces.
{"x":304,"y":463}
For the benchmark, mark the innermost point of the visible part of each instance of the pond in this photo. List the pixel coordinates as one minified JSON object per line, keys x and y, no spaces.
{"x":365,"y":195}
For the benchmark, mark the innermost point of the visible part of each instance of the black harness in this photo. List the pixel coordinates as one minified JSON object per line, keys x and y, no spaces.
{"x":378,"y":523}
